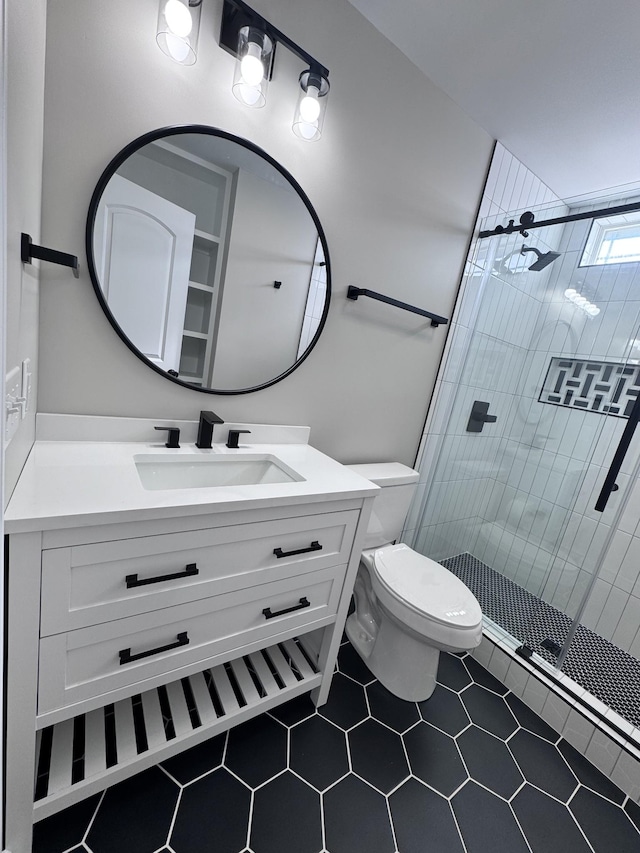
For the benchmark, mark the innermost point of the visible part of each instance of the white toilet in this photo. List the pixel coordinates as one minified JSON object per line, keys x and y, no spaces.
{"x":408,"y":607}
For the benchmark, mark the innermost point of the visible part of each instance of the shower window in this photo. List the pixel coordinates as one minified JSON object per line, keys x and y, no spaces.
{"x":613,"y":240}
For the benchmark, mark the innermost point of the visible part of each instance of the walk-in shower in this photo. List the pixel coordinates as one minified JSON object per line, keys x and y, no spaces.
{"x":529,"y":466}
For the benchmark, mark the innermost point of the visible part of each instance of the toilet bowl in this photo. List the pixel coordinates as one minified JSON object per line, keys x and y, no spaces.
{"x":408,"y":608}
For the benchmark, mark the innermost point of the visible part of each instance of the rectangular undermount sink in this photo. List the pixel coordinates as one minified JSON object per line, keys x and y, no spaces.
{"x":204,"y":472}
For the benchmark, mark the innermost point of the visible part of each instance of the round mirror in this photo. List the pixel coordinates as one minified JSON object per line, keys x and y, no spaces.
{"x":208,"y":259}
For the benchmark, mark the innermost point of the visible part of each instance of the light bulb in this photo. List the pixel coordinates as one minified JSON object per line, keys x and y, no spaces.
{"x":177,"y":47}
{"x":249,"y":95}
{"x":310,"y":106}
{"x":580,"y":301}
{"x":178,"y":18}
{"x":594,"y":310}
{"x":251,"y":66}
{"x":570,"y":293}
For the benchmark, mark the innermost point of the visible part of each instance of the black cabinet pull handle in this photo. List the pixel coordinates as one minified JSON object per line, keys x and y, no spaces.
{"x":126,"y":656}
{"x":304,"y":602}
{"x":315,"y":546}
{"x":134,"y":580}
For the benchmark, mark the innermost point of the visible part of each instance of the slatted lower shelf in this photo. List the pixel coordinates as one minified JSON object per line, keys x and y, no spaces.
{"x":87,"y":753}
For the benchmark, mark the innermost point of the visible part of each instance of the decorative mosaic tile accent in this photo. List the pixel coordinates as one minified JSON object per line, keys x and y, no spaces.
{"x":596,"y":386}
{"x":607,"y":672}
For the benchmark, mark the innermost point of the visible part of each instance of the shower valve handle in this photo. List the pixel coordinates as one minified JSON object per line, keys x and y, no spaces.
{"x":479,"y":417}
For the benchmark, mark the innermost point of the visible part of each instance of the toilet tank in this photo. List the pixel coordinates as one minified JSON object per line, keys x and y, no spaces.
{"x":397,"y":486}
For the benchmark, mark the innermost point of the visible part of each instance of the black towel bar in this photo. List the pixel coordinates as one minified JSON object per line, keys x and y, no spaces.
{"x":28,"y":251}
{"x":354,"y":292}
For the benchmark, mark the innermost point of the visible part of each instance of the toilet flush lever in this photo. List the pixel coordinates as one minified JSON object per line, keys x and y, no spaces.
{"x":479,"y":417}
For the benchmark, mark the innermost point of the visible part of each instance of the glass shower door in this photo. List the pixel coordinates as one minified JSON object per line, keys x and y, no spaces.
{"x":533,"y":401}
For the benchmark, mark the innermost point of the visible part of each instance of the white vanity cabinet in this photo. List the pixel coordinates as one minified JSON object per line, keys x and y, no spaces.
{"x":130,"y":641}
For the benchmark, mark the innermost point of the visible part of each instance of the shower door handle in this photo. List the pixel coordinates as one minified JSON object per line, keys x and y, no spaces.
{"x":479,"y":417}
{"x":610,"y":484}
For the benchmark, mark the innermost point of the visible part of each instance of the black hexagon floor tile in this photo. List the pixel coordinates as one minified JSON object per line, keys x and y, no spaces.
{"x":529,"y":720}
{"x":318,"y":752}
{"x":351,"y":664}
{"x":294,"y":710}
{"x":452,"y":672}
{"x":388,"y":709}
{"x":487,"y":822}
{"x":62,"y":831}
{"x":418,"y":813}
{"x":356,"y":819}
{"x":445,"y":710}
{"x":377,"y":755}
{"x":286,"y":816}
{"x":135,"y":815}
{"x":542,"y":765}
{"x":633,"y":810}
{"x":215,"y":807}
{"x":590,"y":775}
{"x":188,"y":765}
{"x":257,"y":750}
{"x":347,"y":705}
{"x":547,"y":824}
{"x":489,"y":762}
{"x":482,"y":676}
{"x":605,"y":824}
{"x":434,"y":758}
{"x":489,"y":711}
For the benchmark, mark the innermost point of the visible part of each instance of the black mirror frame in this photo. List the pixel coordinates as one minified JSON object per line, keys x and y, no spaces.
{"x":106,"y":176}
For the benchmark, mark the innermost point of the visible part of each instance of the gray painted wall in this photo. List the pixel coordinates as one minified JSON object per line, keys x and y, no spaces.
{"x":395,"y":180}
{"x":25,"y":42}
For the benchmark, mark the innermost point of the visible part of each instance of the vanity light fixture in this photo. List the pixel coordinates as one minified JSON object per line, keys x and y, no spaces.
{"x":178,"y":28}
{"x":253,"y":41}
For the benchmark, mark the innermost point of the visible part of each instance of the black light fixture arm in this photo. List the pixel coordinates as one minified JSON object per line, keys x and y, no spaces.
{"x":236,"y":14}
{"x":527,"y":220}
{"x":28,"y":251}
{"x":355,"y":292}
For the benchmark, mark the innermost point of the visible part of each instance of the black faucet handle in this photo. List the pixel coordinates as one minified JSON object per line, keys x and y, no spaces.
{"x":174,"y":436}
{"x":211,"y":418}
{"x":234,"y":434}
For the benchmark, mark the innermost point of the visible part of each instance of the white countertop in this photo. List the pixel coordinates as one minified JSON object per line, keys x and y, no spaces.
{"x":78,"y":483}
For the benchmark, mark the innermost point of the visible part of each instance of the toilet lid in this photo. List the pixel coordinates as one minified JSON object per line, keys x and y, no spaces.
{"x":426,"y":586}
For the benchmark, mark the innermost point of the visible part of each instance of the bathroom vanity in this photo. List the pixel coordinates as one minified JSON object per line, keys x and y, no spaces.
{"x":159,"y":596}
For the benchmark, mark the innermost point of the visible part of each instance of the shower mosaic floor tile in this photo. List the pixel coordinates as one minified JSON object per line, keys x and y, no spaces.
{"x":471,"y":770}
{"x":610,"y":674}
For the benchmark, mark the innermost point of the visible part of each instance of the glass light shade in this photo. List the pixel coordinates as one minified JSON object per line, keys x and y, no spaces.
{"x":178,"y":29}
{"x":311,"y":107}
{"x":253,"y":63}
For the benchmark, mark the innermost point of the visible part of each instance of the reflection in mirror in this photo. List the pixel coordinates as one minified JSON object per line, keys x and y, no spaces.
{"x":208,"y":259}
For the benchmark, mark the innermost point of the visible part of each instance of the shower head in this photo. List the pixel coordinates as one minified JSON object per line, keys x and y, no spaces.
{"x":543,"y":259}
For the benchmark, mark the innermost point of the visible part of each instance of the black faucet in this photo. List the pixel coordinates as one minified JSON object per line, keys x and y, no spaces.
{"x":205,"y":429}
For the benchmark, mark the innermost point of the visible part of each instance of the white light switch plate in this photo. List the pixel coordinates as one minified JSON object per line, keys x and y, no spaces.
{"x":25,"y":396}
{"x":13,"y":409}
